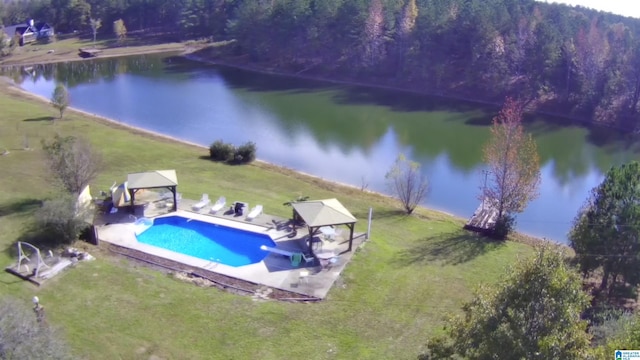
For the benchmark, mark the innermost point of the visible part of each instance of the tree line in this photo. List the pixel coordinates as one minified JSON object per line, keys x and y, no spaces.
{"x":573,"y":61}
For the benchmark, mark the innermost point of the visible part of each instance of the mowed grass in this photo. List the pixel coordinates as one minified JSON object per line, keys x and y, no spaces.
{"x":67,"y":49}
{"x":394,"y":295}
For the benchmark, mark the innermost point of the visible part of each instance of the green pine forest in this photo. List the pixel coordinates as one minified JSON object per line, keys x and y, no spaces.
{"x":571,"y":61}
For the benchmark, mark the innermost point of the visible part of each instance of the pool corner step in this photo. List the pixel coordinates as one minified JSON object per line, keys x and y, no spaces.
{"x":211,"y":265}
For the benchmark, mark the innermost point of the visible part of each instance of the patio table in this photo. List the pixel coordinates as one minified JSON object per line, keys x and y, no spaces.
{"x":328,"y":231}
{"x":325,"y":255}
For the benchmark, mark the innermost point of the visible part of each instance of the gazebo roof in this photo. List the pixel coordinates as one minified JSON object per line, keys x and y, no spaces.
{"x":152,"y":179}
{"x":323,"y":212}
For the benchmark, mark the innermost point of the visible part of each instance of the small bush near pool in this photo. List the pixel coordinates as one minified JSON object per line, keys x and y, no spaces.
{"x":246,"y":153}
{"x":221,"y":151}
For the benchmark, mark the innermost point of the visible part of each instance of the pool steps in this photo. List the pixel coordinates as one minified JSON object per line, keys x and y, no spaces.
{"x":141,"y":225}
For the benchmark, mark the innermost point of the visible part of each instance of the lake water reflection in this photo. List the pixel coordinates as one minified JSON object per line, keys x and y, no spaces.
{"x":343,"y":133}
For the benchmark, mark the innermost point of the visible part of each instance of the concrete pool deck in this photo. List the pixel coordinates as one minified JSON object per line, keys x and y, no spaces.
{"x":310,"y":279}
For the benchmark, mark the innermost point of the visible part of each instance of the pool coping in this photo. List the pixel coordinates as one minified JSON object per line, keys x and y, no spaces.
{"x":274,"y":271}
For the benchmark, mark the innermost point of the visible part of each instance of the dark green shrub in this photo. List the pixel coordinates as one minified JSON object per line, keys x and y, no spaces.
{"x":246,"y":153}
{"x":221,"y":151}
{"x":504,"y":225}
{"x":61,"y":220}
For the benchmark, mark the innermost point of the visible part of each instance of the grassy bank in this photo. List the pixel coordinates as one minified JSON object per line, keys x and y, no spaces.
{"x":67,"y":49}
{"x":389,"y":300}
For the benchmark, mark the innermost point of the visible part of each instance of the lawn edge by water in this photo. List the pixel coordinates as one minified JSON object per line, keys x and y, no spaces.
{"x":394,"y":294}
{"x":518,"y":237}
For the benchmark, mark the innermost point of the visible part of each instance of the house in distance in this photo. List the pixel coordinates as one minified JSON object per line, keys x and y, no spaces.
{"x":29,"y":32}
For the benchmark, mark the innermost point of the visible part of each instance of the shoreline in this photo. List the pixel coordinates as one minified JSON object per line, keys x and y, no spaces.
{"x":155,"y":134}
{"x":516,"y":236}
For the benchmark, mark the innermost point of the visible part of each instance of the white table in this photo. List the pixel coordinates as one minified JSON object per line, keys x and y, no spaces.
{"x":325,"y":255}
{"x":327,"y":258}
{"x":328,"y":231}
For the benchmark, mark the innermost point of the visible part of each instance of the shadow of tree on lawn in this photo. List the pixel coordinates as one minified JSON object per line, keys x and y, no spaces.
{"x":380,"y":214}
{"x":20,"y":206}
{"x":41,"y":118}
{"x":448,"y":249}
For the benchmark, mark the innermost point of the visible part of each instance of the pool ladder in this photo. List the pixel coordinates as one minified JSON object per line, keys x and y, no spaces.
{"x":211,"y":265}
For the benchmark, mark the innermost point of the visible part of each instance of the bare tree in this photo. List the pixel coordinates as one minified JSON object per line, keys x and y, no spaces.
{"x":406,"y":25}
{"x":120,"y":30}
{"x":407,"y":182}
{"x":513,"y":162}
{"x":374,"y":34}
{"x":22,"y":336}
{"x":72,"y":161}
{"x":60,"y":98}
{"x":95,"y":25}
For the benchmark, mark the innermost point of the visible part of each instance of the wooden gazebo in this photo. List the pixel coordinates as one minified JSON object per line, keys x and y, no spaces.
{"x":318,"y":213}
{"x":153,"y":180}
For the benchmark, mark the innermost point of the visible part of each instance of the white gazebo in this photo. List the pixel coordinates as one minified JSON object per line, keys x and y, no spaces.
{"x":319,"y":213}
{"x":156,"y":179}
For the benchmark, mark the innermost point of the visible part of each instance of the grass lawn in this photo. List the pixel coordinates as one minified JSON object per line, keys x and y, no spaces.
{"x":394,"y":294}
{"x":67,"y":49}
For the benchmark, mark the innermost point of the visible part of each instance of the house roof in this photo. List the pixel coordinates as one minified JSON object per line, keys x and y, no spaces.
{"x":42,"y":25}
{"x":19,"y":29}
{"x":323,"y":212}
{"x":22,"y":28}
{"x":152,"y":179}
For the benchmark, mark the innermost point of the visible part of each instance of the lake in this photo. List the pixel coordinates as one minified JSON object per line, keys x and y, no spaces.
{"x":349,"y":134}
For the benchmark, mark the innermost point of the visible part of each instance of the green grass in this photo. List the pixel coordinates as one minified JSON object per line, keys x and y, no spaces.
{"x":67,"y":49}
{"x":393,"y":295}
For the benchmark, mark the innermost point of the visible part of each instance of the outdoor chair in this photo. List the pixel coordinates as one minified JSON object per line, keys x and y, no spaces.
{"x":219,"y":204}
{"x":204,"y":201}
{"x":303,"y":275}
{"x":296,"y":259}
{"x":308,"y":258}
{"x":239,"y":208}
{"x":257,"y":210}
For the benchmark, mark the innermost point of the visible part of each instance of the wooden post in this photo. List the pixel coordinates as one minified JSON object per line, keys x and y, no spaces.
{"x":369,"y":224}
{"x":351,"y":226}
{"x":132,"y":192}
{"x":174,"y":190}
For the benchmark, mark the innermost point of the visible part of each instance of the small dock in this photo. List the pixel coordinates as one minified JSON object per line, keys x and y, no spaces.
{"x":484,"y":218}
{"x":88,"y":53}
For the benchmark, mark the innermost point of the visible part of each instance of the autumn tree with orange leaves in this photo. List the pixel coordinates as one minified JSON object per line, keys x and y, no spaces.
{"x":514,"y":167}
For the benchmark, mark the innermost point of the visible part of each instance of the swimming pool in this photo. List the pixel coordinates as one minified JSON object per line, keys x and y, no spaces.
{"x":225,"y":245}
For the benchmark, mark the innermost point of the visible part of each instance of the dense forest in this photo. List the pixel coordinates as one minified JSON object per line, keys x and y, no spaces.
{"x":573,"y":61}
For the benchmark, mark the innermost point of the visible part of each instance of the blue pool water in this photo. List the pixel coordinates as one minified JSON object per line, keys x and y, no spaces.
{"x":206,"y":241}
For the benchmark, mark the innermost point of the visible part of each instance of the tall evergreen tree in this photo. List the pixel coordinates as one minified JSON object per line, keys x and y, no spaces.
{"x":606,"y":231}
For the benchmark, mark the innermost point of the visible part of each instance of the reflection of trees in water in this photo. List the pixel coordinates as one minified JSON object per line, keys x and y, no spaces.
{"x":358,"y":118}
{"x":75,"y":73}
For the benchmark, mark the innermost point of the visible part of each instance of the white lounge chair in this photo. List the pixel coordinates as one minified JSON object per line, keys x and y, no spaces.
{"x":257,"y":210}
{"x":204,"y":201}
{"x":218,"y":205}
